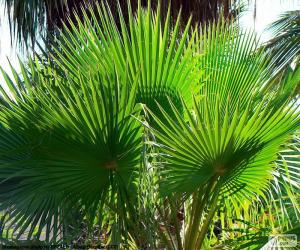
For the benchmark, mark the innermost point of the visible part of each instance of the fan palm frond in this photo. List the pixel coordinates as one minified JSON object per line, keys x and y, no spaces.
{"x":160,"y":56}
{"x":69,"y":141}
{"x":229,"y":123}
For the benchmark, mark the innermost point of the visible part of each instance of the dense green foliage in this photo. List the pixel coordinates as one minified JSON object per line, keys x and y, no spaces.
{"x":151,"y":133}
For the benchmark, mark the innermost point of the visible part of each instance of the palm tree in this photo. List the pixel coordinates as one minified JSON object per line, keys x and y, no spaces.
{"x":30,"y":19}
{"x":286,"y":38}
{"x":146,"y":130}
{"x":284,"y":47}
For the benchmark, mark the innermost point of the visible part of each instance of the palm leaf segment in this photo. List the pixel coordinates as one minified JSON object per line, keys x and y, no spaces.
{"x":64,"y":141}
{"x":232,"y":133}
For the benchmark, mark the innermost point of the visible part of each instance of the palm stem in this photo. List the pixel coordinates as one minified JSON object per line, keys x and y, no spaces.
{"x":198,"y":206}
{"x":213,"y":207}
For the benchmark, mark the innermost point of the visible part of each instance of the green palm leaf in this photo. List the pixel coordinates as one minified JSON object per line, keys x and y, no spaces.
{"x":162,"y":56}
{"x":75,"y":142}
{"x":232,"y":133}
